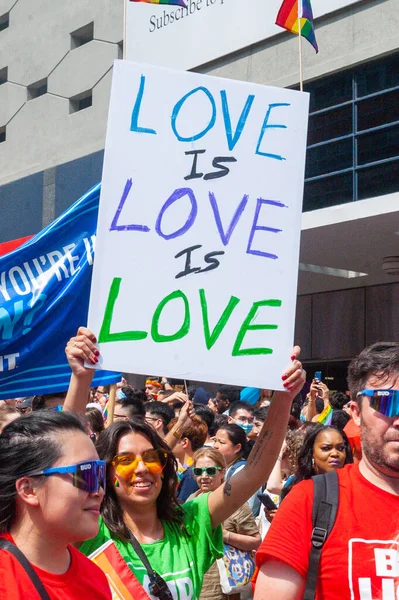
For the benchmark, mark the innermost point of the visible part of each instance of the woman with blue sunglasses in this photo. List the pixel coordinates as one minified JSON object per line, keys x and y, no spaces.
{"x":51,"y":488}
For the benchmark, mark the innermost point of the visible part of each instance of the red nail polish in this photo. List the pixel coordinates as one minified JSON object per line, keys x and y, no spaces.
{"x":284,"y":376}
{"x":290,"y":387}
{"x":95,"y":359}
{"x":97,"y":352}
{"x":293,"y":357}
{"x":285,"y":383}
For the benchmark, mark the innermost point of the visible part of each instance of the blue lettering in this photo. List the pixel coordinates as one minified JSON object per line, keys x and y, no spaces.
{"x":267,"y":126}
{"x":232,"y":139}
{"x":134,"y":126}
{"x":177,"y":194}
{"x":177,"y":108}
{"x":114,"y":224}
{"x":225,"y":237}
{"x":256,"y":227}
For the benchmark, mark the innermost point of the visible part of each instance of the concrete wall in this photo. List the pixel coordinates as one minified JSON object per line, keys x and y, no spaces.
{"x":41,"y":132}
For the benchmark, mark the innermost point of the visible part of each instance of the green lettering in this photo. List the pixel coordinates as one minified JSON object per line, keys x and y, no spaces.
{"x":184,"y":329}
{"x":246,"y":326}
{"x":105,"y":331}
{"x":211,"y":338}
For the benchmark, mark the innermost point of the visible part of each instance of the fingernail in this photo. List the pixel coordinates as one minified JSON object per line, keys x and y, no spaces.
{"x":293,"y":357}
{"x":97,"y":352}
{"x":285,"y":383}
{"x":284,"y":376}
{"x":95,"y":359}
{"x":290,"y":387}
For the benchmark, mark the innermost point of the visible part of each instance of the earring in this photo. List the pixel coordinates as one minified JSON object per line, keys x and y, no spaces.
{"x":116,"y":482}
{"x":312,"y":463}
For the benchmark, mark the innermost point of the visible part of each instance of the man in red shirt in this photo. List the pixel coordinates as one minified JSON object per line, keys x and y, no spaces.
{"x":360,"y":558}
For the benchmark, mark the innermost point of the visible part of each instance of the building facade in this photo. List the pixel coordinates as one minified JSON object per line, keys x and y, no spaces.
{"x":55,"y":75}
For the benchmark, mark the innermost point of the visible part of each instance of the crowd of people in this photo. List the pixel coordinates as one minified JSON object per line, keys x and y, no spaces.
{"x":173,"y":491}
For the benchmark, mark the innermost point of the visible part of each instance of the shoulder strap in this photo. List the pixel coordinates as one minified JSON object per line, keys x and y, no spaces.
{"x":234,"y":468}
{"x":30,"y":571}
{"x":325,"y":505}
{"x":158,"y":586}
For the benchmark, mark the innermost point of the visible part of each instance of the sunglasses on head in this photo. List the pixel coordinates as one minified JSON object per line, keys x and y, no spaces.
{"x":385,"y":402}
{"x":126,"y":464}
{"x":210,"y":471}
{"x":88,"y":476}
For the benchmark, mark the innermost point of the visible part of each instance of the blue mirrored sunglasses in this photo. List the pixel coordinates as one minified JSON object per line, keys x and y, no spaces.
{"x":385,"y":402}
{"x":88,"y":476}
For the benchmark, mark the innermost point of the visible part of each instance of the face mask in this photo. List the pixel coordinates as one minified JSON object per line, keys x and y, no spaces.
{"x":247,"y":427}
{"x":303,"y":418}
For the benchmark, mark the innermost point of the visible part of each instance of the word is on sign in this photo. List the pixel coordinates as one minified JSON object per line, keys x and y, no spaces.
{"x":198,"y":234}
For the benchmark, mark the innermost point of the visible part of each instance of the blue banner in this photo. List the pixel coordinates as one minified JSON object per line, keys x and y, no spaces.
{"x":44,"y":298}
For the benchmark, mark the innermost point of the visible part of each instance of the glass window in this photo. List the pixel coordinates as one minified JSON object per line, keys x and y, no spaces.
{"x":336,"y":189}
{"x":330,"y":124}
{"x":378,"y":145}
{"x":379,"y":75}
{"x":378,"y":180}
{"x":330,"y":92}
{"x":378,"y":110}
{"x":353,"y":124}
{"x":329,"y":158}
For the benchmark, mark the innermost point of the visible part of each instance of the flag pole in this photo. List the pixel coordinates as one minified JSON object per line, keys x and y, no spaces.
{"x":124,"y":31}
{"x":300,"y":45}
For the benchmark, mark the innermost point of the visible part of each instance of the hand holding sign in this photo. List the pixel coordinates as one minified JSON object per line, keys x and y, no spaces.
{"x":198,"y":233}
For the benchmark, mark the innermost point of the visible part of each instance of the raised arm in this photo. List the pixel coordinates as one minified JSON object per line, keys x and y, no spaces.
{"x":224,"y":501}
{"x":80,"y":348}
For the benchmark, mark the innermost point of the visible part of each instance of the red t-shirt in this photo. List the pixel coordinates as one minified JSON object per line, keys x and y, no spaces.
{"x":360,"y":559}
{"x":83,"y":580}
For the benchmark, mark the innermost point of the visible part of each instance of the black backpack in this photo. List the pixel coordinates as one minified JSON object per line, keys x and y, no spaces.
{"x":325,"y":505}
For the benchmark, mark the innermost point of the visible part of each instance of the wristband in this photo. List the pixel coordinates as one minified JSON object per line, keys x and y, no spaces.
{"x":177,"y":434}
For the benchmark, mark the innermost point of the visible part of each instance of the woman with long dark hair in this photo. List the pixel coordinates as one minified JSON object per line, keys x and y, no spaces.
{"x":51,"y":488}
{"x":140,"y":508}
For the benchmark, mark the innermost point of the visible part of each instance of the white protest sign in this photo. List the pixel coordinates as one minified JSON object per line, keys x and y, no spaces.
{"x":197,"y":247}
{"x":184,"y":38}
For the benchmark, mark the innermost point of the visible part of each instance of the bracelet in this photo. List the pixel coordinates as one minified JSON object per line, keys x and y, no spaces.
{"x":177,"y":434}
{"x":279,"y":458}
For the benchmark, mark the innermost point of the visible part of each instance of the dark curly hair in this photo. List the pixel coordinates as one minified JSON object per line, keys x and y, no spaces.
{"x":305,"y":467}
{"x":168,"y":508}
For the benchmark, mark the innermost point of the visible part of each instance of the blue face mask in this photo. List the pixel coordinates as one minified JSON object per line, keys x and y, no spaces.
{"x":303,"y":418}
{"x":247,"y":427}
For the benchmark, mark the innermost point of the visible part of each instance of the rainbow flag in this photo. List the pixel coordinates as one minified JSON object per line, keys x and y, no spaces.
{"x":325,"y":417}
{"x":293,"y":11}
{"x":170,"y":2}
{"x":124,"y":585}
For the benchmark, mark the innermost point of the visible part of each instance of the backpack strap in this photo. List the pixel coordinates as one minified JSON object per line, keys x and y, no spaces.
{"x":234,"y":468}
{"x":325,"y":505}
{"x":25,"y":564}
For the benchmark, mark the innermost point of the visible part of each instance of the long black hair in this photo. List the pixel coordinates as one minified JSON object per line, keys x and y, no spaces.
{"x":168,"y":508}
{"x":305,"y":466}
{"x":29,"y":444}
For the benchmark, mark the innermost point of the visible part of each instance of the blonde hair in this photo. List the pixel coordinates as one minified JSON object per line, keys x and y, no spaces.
{"x":208,"y":452}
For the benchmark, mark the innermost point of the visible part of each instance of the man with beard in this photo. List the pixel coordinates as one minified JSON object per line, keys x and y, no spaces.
{"x":360,"y":558}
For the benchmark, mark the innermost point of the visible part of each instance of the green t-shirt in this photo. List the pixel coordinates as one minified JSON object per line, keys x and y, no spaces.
{"x":182,"y":560}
